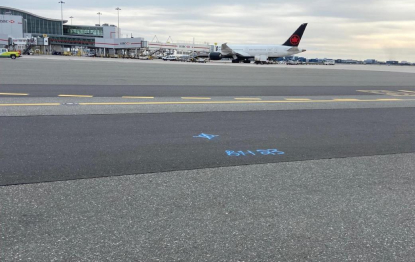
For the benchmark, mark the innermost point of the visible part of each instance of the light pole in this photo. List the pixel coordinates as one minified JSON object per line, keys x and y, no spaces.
{"x":61,"y":2}
{"x":118,"y":9}
{"x":71,"y":19}
{"x":99,"y":18}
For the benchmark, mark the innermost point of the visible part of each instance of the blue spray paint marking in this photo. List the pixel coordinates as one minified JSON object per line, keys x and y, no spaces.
{"x":273,"y":152}
{"x":210,"y":137}
{"x":239,"y":153}
{"x":264,"y":152}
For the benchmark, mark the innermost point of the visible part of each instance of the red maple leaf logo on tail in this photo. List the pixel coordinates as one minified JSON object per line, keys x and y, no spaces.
{"x":295,"y":40}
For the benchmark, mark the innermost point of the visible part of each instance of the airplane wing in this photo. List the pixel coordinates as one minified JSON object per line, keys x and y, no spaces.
{"x":226,"y":50}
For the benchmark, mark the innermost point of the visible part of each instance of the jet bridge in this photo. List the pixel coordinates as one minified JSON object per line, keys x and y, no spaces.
{"x":200,"y":49}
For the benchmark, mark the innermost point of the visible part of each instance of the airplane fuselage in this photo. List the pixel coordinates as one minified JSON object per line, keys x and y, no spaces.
{"x":261,"y":53}
{"x":251,"y":51}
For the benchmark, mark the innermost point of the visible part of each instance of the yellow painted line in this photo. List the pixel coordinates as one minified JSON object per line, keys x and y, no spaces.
{"x":390,"y":99}
{"x":75,"y":96}
{"x":39,"y":104}
{"x":298,"y":99}
{"x":346,"y":100}
{"x":139,"y":97}
{"x":247,"y":98}
{"x":13,"y":94}
{"x":234,"y":102}
{"x":202,"y":98}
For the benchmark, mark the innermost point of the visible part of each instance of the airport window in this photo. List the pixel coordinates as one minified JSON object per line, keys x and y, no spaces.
{"x":33,"y":24}
{"x":83,"y":31}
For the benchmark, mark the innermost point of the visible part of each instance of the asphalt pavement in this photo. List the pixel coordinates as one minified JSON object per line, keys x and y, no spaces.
{"x":122,"y":160}
{"x":53,"y":148}
{"x":36,"y":90}
{"x":68,"y":71}
{"x":349,"y":209}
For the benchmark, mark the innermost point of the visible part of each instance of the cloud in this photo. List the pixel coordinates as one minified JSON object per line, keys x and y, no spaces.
{"x":338,"y":29}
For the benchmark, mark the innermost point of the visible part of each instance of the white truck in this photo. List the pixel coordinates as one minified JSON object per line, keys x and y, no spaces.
{"x":259,"y":59}
{"x":329,"y":62}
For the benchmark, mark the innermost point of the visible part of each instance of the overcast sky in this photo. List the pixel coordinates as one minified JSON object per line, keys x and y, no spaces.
{"x":361,"y":29}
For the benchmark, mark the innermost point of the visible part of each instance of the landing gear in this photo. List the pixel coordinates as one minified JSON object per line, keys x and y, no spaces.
{"x":236,"y":61}
{"x":247,"y":61}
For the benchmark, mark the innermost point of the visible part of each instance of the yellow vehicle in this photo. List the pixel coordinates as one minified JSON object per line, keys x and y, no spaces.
{"x":4,"y":53}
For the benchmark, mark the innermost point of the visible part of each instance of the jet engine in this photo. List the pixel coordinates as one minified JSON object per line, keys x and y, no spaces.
{"x":215,"y":56}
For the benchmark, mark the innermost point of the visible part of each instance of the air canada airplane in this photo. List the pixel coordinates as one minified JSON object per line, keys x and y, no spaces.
{"x":261,"y":53}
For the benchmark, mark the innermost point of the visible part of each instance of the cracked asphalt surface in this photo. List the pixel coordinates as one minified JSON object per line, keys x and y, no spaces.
{"x":353,"y":209}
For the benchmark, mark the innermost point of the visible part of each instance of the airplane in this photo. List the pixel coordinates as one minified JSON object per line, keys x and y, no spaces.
{"x":260,"y":53}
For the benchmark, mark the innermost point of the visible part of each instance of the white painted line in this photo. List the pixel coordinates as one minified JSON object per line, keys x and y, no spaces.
{"x":13,"y":94}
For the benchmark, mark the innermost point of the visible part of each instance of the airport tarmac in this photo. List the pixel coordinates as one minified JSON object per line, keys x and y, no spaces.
{"x":381,"y":68}
{"x":164,"y":161}
{"x":56,"y":70}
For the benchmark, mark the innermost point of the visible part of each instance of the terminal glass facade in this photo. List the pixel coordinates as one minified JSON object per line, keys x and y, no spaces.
{"x":71,"y":41}
{"x":91,"y":31}
{"x":33,"y":24}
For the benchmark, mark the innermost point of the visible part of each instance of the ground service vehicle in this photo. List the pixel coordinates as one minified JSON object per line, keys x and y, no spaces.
{"x":292,"y":62}
{"x":329,"y":62}
{"x":170,"y":58}
{"x":4,"y":53}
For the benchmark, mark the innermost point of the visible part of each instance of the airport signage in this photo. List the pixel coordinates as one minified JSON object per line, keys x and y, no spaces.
{"x":11,"y":25}
{"x":7,"y":21}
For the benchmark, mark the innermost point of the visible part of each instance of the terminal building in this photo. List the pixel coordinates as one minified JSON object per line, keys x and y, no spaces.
{"x":22,"y":30}
{"x":25,"y":31}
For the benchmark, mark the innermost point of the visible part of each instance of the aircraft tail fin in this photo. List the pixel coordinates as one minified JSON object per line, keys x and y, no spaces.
{"x":225,"y":49}
{"x":295,"y":38}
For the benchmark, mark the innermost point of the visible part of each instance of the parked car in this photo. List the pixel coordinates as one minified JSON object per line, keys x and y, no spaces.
{"x":292,"y":62}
